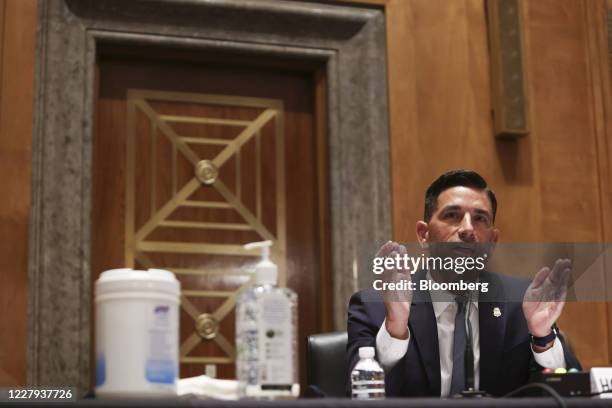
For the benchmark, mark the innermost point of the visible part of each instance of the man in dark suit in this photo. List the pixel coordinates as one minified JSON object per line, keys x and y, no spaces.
{"x":421,"y":344}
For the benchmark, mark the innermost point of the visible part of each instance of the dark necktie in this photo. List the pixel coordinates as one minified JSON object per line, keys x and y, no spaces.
{"x":459,"y":341}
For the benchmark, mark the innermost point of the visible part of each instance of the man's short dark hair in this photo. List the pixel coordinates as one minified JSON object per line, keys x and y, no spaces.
{"x":456,"y":178}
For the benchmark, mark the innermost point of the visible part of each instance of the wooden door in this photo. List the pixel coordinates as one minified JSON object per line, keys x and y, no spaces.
{"x":193,"y":159}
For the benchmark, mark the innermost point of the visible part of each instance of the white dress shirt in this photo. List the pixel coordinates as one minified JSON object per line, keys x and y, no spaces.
{"x":390,"y":350}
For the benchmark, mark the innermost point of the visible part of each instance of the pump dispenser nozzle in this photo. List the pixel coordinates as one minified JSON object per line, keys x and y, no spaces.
{"x":266,"y":271}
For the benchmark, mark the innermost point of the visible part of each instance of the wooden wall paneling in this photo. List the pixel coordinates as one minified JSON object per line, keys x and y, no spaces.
{"x":402,"y":115}
{"x":2,"y":24}
{"x":17,"y":42}
{"x":5,"y":378}
{"x":596,"y":15}
{"x":440,"y":119}
{"x":440,"y":114}
{"x":565,"y":132}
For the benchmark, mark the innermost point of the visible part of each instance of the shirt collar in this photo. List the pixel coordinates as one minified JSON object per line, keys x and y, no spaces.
{"x":440,"y":306}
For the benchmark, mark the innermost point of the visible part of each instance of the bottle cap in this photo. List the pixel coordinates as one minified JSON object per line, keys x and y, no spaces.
{"x":266,"y":271}
{"x":366,"y":352}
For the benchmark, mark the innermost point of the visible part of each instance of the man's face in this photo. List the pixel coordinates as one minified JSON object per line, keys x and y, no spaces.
{"x":460,"y":227}
{"x":463,"y":218}
{"x":463,"y":214}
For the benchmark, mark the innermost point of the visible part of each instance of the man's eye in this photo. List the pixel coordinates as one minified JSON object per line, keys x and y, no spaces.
{"x":482,"y":218}
{"x":451,"y":215}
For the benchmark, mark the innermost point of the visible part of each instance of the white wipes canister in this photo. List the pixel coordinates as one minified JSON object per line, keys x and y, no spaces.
{"x":137,"y":333}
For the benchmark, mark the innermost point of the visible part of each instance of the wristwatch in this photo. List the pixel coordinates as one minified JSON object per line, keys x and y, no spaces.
{"x":543,"y":341}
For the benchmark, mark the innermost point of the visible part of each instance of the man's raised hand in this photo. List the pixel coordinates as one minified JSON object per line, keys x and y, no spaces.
{"x":397,"y":302}
{"x":545,"y":297}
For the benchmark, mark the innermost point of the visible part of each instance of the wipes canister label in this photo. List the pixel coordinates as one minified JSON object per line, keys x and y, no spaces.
{"x":100,"y":357}
{"x":162,"y":359}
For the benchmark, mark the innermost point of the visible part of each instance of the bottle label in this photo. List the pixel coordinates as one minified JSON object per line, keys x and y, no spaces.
{"x":275,"y":339}
{"x":100,"y":369}
{"x":100,"y":342}
{"x":161,"y":365}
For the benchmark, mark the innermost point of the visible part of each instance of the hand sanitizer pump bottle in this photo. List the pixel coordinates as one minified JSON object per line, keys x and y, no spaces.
{"x":266,"y":334}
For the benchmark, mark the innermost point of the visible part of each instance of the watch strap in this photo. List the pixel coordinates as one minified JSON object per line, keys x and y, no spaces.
{"x":543,"y":341}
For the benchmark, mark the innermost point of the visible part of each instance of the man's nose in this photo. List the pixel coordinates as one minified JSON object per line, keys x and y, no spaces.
{"x":466,"y":229}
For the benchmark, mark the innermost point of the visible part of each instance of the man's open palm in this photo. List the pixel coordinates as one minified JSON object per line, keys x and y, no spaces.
{"x":545,"y":297}
{"x":397,"y":302}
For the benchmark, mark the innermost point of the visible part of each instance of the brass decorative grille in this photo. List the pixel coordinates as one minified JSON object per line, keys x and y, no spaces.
{"x":207,"y":174}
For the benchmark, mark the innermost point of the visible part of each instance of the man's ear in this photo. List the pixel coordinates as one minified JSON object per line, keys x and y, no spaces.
{"x":495,"y":235}
{"x":493,"y":242}
{"x":422,"y":233}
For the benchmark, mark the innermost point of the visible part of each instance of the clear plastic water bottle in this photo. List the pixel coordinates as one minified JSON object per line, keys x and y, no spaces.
{"x":368,"y":377}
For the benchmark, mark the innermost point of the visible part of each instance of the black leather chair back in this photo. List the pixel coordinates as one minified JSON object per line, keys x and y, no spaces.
{"x":326,"y":363}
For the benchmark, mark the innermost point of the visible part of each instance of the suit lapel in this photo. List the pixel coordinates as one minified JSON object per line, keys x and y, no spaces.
{"x":424,"y":330}
{"x":492,"y":327}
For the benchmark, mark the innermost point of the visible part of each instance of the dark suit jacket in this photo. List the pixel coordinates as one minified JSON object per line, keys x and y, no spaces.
{"x":506,"y":358}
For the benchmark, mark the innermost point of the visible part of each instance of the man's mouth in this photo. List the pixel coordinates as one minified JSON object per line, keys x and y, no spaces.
{"x":463,"y":249}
